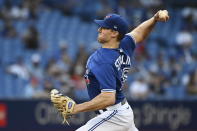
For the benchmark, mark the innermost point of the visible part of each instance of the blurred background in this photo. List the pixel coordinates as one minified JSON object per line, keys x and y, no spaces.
{"x":44,"y":44}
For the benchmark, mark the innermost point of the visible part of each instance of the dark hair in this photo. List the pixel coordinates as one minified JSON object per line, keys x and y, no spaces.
{"x":120,"y":37}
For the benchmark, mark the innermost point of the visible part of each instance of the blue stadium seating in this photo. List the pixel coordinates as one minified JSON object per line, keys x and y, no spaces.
{"x":54,"y":27}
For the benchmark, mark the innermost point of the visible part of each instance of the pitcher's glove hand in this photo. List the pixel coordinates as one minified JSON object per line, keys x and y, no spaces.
{"x":64,"y":104}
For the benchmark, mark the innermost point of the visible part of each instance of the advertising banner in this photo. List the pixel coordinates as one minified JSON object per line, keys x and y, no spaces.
{"x":3,"y":115}
{"x":37,"y":115}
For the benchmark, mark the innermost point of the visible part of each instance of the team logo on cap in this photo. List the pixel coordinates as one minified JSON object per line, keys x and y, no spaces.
{"x":108,"y":16}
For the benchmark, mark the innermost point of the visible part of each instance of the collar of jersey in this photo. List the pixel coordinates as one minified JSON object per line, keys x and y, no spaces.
{"x":111,"y":48}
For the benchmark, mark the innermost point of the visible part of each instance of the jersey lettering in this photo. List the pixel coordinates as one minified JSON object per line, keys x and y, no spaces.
{"x":121,"y":61}
{"x":123,"y":64}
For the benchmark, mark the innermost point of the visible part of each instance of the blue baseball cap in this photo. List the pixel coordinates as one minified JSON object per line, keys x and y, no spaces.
{"x":114,"y":22}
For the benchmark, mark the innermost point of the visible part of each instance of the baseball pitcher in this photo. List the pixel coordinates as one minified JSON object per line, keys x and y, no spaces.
{"x":106,"y":72}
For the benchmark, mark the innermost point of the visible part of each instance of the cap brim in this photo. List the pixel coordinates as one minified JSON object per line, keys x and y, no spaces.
{"x":101,"y":23}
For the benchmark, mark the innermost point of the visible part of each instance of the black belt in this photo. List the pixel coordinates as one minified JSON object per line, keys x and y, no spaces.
{"x":122,"y":103}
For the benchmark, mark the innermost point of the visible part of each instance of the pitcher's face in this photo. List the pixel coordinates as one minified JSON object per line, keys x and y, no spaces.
{"x":104,"y":35}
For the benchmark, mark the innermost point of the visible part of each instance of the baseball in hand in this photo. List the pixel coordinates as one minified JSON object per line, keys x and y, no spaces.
{"x":162,"y":16}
